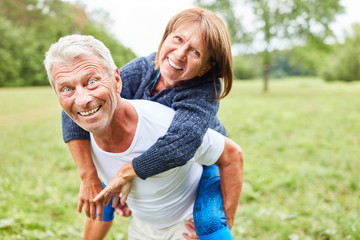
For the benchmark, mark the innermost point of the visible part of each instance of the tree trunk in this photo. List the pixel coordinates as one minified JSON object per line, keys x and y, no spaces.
{"x":266,"y":73}
{"x":266,"y":69}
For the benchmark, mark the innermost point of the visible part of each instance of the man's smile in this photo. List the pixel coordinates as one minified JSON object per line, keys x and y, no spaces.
{"x":90,"y":112}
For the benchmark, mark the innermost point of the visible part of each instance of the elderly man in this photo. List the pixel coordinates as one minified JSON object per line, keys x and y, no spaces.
{"x":87,"y":83}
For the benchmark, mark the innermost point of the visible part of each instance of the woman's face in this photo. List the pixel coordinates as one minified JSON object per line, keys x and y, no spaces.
{"x":183,"y":55}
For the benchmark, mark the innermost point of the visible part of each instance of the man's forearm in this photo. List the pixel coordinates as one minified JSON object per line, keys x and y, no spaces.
{"x":80,"y":151}
{"x":231,"y":178}
{"x":90,"y":183}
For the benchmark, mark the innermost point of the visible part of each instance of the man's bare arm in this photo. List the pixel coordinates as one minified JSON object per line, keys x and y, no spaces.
{"x":90,"y":182}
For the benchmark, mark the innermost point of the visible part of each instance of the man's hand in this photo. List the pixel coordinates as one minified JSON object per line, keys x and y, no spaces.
{"x":89,"y":188}
{"x":191,"y":228}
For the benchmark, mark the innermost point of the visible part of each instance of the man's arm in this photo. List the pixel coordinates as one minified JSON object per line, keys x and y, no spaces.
{"x":90,"y":182}
{"x":230,"y":166}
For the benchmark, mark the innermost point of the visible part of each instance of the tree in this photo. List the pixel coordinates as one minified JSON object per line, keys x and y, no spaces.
{"x":278,"y":24}
{"x":344,"y":62}
{"x":28,"y":27}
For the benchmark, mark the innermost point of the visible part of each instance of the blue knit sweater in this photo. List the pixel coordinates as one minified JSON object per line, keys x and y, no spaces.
{"x":195,"y":112}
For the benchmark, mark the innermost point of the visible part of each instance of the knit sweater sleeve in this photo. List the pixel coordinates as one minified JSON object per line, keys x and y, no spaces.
{"x":195,"y":108}
{"x":71,"y":130}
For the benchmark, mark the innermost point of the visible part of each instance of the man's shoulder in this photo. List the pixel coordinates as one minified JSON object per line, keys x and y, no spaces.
{"x":154,"y":111}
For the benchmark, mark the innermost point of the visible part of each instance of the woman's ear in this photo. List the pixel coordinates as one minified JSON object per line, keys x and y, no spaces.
{"x":206,"y":68}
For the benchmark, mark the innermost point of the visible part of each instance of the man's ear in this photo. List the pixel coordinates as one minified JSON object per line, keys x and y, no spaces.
{"x":118,"y":81}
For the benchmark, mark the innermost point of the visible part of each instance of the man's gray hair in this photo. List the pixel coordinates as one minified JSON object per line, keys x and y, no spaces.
{"x":71,"y":47}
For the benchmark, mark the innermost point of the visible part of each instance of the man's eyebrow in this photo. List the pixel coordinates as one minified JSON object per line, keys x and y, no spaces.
{"x":85,"y":75}
{"x":88,"y":74}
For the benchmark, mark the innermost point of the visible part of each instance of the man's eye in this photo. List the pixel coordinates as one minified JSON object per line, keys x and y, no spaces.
{"x":92,"y":81}
{"x":67,"y":89}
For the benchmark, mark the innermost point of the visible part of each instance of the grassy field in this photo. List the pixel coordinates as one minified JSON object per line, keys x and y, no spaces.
{"x":301,"y":143}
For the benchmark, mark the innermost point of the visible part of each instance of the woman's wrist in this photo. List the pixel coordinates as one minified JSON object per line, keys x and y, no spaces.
{"x":127,"y":172}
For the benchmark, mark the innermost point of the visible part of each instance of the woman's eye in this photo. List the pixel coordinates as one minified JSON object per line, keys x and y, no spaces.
{"x":197,"y":53}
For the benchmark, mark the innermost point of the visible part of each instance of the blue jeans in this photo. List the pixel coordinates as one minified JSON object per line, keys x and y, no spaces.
{"x":209,"y":213}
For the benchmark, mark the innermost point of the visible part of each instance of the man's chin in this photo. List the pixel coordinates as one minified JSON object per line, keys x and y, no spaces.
{"x":90,"y":127}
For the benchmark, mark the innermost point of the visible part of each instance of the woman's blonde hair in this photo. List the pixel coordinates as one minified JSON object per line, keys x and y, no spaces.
{"x":216,"y":37}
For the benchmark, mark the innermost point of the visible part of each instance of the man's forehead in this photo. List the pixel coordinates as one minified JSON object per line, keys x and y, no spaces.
{"x":83,"y":65}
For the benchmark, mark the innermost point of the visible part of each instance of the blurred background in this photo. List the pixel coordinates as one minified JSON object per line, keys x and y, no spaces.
{"x":270,"y":38}
{"x":294,"y":109}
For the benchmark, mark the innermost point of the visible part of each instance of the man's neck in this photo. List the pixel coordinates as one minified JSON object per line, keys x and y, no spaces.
{"x":118,"y":136}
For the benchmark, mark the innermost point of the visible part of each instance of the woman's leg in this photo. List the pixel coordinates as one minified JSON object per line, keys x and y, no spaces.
{"x":209,"y":214}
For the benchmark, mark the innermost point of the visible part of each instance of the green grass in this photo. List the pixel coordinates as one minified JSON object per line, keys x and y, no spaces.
{"x":301,"y":142}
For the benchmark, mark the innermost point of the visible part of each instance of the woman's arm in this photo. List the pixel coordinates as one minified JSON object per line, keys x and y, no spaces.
{"x":195,"y":108}
{"x":231,"y":167}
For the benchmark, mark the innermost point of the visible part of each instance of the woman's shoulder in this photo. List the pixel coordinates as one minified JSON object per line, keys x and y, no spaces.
{"x":139,"y":63}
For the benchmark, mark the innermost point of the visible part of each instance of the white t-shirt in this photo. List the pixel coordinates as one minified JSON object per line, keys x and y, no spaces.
{"x":166,"y":198}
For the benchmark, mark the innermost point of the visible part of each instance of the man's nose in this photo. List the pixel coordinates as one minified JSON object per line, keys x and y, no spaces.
{"x":83,"y":97}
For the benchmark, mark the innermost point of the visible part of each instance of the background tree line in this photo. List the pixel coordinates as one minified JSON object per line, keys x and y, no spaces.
{"x":294,"y":37}
{"x":293,"y":34}
{"x":28,"y":27}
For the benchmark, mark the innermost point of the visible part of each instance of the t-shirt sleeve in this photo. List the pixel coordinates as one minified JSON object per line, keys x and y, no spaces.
{"x":211,"y":148}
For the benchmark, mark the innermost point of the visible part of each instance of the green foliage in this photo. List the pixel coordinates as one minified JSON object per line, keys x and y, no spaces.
{"x":27,"y":29}
{"x":344,"y":62}
{"x":21,"y":62}
{"x":297,"y":61}
{"x":245,"y":67}
{"x":301,"y":148}
{"x":120,"y":54}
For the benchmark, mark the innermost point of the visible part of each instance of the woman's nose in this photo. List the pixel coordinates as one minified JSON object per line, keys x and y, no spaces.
{"x":180,"y":52}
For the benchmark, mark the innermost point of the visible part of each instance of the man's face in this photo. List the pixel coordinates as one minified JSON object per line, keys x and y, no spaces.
{"x":86,"y":91}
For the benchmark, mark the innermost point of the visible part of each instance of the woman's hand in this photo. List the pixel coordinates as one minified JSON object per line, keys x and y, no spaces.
{"x":121,"y":183}
{"x":116,"y":186}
